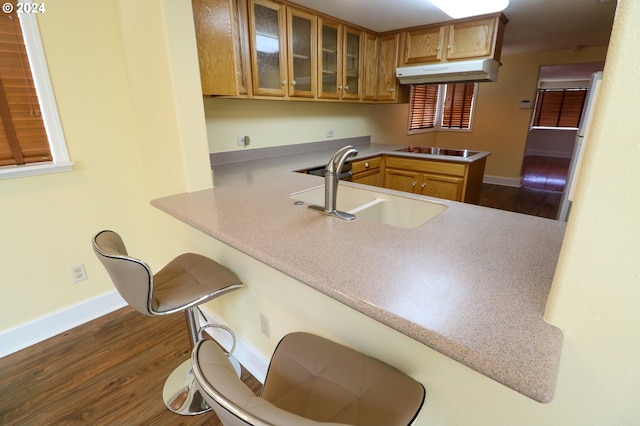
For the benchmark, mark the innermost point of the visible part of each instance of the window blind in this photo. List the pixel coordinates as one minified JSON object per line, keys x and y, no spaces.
{"x":559,"y":107}
{"x":456,"y":110}
{"x":23,"y":138}
{"x":423,"y":106}
{"x":457,"y":105}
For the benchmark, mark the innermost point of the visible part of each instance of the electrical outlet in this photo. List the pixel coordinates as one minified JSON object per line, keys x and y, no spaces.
{"x":243,"y":140}
{"x":240,"y":140}
{"x":78,"y":273}
{"x":264,"y":325}
{"x":330,"y":133}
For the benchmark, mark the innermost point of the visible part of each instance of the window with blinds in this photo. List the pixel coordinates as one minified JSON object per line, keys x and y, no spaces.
{"x":458,"y":103}
{"x":23,"y":138}
{"x":423,"y":106}
{"x":444,"y":106}
{"x":559,"y":108}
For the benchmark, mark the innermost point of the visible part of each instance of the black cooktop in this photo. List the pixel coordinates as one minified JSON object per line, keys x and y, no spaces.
{"x":439,"y":151}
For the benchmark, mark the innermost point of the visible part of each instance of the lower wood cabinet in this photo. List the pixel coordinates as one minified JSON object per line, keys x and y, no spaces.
{"x":367,"y":171}
{"x":433,"y":185}
{"x":441,"y":179}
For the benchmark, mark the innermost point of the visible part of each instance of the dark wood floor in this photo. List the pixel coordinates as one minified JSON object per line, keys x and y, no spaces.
{"x":109,"y":371}
{"x":548,"y":173}
{"x":543,"y":179}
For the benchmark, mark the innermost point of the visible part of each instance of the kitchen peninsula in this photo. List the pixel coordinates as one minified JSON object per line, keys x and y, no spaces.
{"x":472,"y":283}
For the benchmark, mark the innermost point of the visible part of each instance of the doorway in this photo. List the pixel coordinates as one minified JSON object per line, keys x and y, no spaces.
{"x":548,"y":150}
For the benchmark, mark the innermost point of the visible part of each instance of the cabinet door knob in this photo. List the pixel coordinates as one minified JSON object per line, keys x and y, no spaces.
{"x":284,"y":82}
{"x":366,"y":165}
{"x":346,"y":88}
{"x":391,"y":89}
{"x":340,"y":87}
{"x":293,"y":83}
{"x":424,"y":184}
{"x":414,"y":183}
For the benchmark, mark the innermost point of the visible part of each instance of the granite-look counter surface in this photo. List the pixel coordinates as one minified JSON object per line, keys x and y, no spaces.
{"x":472,"y":283}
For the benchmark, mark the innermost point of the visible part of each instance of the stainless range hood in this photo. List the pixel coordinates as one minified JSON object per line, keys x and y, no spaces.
{"x":450,"y":72}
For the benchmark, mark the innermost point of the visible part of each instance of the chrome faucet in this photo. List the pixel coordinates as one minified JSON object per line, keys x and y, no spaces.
{"x":331,"y":174}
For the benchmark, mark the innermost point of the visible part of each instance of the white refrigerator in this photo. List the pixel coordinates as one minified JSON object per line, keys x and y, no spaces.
{"x":578,"y":149}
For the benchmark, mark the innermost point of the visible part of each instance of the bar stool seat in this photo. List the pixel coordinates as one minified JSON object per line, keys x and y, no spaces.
{"x":311,"y":381}
{"x":184,"y":283}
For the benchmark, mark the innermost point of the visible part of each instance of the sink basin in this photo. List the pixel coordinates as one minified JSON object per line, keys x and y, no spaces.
{"x":385,"y":208}
{"x":348,"y":198}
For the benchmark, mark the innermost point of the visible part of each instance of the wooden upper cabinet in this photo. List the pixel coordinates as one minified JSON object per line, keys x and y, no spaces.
{"x":256,"y":48}
{"x":267,"y":28}
{"x":475,"y":39}
{"x":340,"y":61}
{"x":352,"y":64}
{"x":301,"y":53}
{"x":223,"y":50}
{"x":283,"y":50}
{"x":370,"y":68}
{"x":329,"y":59}
{"x":387,"y":87}
{"x":424,"y":45}
{"x":465,"y":39}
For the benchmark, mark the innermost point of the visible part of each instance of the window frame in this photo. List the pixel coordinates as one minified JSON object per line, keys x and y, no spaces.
{"x":438,"y":127}
{"x":437,"y":114}
{"x":557,"y":88}
{"x":50,"y":116}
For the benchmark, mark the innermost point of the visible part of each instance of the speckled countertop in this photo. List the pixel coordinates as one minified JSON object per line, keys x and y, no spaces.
{"x":472,"y":283}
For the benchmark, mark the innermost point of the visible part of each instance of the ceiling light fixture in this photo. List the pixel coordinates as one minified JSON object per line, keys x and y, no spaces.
{"x":464,"y":8}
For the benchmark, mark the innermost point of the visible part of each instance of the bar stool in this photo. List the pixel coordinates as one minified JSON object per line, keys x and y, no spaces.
{"x":184,"y":283}
{"x":311,"y":381}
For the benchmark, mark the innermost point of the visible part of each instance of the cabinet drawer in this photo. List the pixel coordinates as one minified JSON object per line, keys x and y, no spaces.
{"x":455,"y":169}
{"x":366,"y":164}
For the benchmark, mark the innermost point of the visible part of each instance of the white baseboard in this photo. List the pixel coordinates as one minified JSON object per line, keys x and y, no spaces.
{"x":52,"y":324}
{"x":255,"y":362}
{"x":498,"y":180}
{"x":545,"y":153}
{"x":25,"y":335}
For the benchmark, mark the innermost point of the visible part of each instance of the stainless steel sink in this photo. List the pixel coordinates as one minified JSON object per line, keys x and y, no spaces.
{"x":384,"y":208}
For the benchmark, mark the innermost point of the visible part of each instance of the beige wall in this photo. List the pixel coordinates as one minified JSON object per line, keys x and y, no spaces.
{"x":274,"y":123}
{"x":499,"y":126}
{"x":133,"y":122}
{"x":111,"y":118}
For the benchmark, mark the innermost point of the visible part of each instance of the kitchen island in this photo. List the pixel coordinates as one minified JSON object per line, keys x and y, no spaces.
{"x":472,"y":283}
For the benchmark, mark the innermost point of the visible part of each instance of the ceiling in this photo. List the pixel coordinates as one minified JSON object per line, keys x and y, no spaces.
{"x":534,"y":25}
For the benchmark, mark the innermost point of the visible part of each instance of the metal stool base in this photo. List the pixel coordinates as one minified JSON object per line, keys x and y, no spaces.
{"x":180,"y":393}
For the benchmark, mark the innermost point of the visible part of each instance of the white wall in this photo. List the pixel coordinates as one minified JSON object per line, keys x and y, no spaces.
{"x":551,"y":142}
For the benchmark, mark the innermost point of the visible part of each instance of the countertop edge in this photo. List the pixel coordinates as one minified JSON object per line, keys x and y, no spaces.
{"x":543,"y":391}
{"x":272,"y":177}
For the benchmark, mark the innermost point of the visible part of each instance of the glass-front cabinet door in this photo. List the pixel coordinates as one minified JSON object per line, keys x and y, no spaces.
{"x":352,"y":51}
{"x":329,"y":59}
{"x":267,"y":25}
{"x":302,"y":35}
